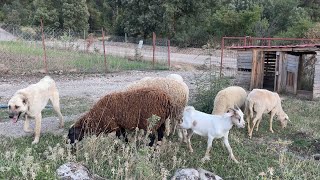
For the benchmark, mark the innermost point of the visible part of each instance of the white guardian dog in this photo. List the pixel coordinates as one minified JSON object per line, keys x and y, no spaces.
{"x":30,"y":101}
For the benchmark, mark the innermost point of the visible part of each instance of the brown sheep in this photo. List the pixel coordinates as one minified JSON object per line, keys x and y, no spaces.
{"x":121,"y":111}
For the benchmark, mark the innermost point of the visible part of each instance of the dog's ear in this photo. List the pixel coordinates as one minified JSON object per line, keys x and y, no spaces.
{"x":25,"y":100}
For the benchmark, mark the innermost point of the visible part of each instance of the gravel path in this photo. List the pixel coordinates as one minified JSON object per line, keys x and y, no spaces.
{"x":80,"y":86}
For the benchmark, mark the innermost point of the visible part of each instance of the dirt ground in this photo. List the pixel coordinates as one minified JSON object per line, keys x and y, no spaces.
{"x":89,"y":86}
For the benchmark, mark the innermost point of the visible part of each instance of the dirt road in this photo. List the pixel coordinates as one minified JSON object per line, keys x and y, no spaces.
{"x":84,"y":86}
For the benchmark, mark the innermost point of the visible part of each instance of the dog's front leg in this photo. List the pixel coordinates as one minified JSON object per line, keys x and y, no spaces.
{"x":37,"y":129}
{"x":26,"y":127}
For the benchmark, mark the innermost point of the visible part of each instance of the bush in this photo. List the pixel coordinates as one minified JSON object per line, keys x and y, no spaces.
{"x":208,"y":85}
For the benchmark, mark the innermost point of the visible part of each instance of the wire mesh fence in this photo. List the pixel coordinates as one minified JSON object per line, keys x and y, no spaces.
{"x":24,"y":51}
{"x":66,"y":51}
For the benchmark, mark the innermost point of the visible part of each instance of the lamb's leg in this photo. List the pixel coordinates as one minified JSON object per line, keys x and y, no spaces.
{"x":209,"y":146}
{"x":226,"y":143}
{"x":258,"y":123}
{"x":248,"y":119}
{"x":189,"y":135}
{"x":271,"y":119}
{"x":254,"y":121}
{"x":37,"y":129}
{"x":26,"y":127}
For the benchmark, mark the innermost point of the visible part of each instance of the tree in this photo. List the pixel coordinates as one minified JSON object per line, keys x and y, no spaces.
{"x":45,"y":10}
{"x":75,"y":15}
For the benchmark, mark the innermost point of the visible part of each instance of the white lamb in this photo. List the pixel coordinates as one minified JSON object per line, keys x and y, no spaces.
{"x":211,"y":126}
{"x":263,"y":101}
{"x":228,"y":98}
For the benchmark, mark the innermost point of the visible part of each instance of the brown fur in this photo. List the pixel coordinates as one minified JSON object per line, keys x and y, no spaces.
{"x":126,"y":110}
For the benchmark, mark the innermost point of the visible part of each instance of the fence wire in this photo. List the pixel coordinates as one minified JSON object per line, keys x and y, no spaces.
{"x":66,"y":51}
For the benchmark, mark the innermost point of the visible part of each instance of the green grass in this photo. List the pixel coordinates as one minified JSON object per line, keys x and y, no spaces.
{"x":22,"y":56}
{"x":286,"y":154}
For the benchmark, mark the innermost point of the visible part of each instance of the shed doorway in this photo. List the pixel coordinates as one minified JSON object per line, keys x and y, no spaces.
{"x":269,"y":70}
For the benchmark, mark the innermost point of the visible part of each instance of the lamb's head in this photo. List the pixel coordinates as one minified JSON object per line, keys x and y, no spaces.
{"x":283,"y":118}
{"x":237,"y":117}
{"x":187,"y":119}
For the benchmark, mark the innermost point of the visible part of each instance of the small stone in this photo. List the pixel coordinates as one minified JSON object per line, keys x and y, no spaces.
{"x":194,"y":174}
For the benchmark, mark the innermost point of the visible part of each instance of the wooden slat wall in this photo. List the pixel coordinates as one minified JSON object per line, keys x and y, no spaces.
{"x":244,"y":66}
{"x":316,"y":84}
{"x":244,"y":59}
{"x":292,"y":69}
{"x":293,"y":63}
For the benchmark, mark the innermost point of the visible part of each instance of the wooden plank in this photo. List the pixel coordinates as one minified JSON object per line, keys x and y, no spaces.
{"x":254,"y":69}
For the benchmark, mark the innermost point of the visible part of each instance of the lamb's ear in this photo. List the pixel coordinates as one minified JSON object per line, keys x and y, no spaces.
{"x":231,"y":110}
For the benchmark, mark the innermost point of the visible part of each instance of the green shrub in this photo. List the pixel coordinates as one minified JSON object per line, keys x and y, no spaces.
{"x":208,"y":84}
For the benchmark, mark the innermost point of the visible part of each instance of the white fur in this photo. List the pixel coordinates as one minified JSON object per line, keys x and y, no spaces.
{"x":211,"y":126}
{"x":263,"y":101}
{"x":31,"y":100}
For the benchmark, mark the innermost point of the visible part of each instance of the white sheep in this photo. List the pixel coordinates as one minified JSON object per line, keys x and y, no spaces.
{"x":177,"y":90}
{"x":228,"y":98}
{"x":263,"y":101}
{"x":211,"y":126}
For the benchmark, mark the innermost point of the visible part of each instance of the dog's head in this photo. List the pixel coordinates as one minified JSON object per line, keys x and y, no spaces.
{"x":75,"y":133}
{"x":17,"y":105}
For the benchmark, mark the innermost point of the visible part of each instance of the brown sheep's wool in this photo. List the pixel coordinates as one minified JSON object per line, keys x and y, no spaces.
{"x":124,"y":110}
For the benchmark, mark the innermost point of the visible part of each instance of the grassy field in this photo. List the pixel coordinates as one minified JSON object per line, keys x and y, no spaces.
{"x":24,"y":57}
{"x":286,"y":154}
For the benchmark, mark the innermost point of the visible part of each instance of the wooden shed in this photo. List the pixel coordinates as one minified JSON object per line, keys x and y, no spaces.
{"x":291,"y":69}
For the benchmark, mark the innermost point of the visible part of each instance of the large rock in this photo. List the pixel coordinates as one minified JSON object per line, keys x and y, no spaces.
{"x":194,"y":174}
{"x":71,"y":170}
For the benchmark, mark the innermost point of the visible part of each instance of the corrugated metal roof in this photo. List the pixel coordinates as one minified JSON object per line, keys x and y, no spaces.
{"x":271,"y":47}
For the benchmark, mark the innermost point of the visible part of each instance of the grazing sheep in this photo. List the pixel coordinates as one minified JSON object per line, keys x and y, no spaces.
{"x":212,"y":126}
{"x":125,"y":111}
{"x":263,"y":101}
{"x":178,"y":91}
{"x":228,"y":98}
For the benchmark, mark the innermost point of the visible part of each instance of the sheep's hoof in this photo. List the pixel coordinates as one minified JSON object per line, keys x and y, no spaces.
{"x":28,"y":130}
{"x":206,"y":158}
{"x":235,"y":160}
{"x":271,"y":131}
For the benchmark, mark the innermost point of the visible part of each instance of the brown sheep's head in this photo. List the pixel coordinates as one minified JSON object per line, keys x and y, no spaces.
{"x":75,"y":133}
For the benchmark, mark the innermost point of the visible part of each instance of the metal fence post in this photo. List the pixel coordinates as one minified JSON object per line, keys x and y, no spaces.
{"x":169,"y":53}
{"x":44,"y":48}
{"x":84,"y":40}
{"x":104,"y":53}
{"x":154,"y":48}
{"x":222,"y":48}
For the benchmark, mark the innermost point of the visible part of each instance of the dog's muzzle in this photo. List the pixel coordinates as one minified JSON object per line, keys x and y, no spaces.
{"x":14,"y":116}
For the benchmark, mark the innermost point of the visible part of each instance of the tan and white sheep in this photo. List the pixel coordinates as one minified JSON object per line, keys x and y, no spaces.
{"x":228,"y":98}
{"x":177,"y":90}
{"x":263,"y":101}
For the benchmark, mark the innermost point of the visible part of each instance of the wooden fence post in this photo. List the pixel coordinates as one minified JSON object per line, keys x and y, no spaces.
{"x":44,"y":48}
